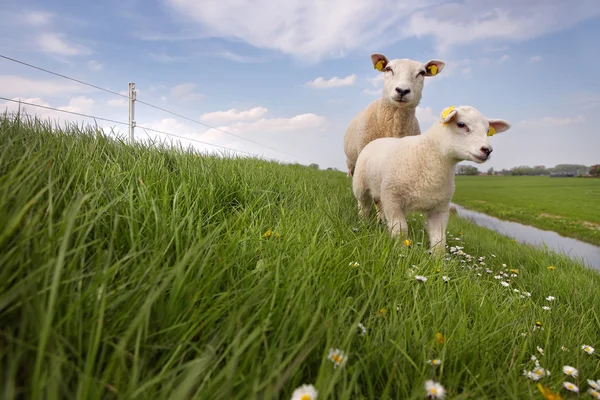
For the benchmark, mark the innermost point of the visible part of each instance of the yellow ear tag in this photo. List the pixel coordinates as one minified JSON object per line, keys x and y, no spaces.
{"x":432,"y":70}
{"x":379,"y":65}
{"x":446,"y":112}
{"x":491,"y":131}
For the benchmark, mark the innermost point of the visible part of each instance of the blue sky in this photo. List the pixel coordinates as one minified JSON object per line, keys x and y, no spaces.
{"x":246,"y":67}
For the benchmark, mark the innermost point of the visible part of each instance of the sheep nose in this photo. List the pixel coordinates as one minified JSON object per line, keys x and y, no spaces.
{"x":486,"y":150}
{"x":402,"y":92}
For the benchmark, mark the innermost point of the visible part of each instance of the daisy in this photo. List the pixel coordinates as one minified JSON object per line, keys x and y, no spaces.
{"x":563,"y":348}
{"x":435,"y":390}
{"x":533,"y":358}
{"x":540,"y":372}
{"x":445,"y":278}
{"x":546,"y":308}
{"x":550,"y":298}
{"x":513,"y":275}
{"x":527,"y":294}
{"x":338,"y":357}
{"x":504,"y":265}
{"x":305,"y":392}
{"x":540,"y":350}
{"x":497,"y":277}
{"x":588,"y":349}
{"x":505,"y":284}
{"x":568,"y":370}
{"x":435,"y":362}
{"x":594,"y":393}
{"x":354,"y":264}
{"x":571,"y":387}
{"x":363,"y":330}
{"x":421,"y":278}
{"x":489,"y":271}
{"x":594,"y":385}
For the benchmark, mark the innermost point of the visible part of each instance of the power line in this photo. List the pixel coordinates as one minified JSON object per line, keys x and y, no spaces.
{"x":64,"y":76}
{"x":145,"y":103}
{"x":65,"y":111}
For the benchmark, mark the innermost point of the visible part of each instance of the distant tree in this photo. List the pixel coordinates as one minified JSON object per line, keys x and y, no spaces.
{"x":329,"y":169}
{"x":594,"y":170}
{"x":467,"y":170}
{"x":490,"y":171}
{"x":570,"y":169}
{"x":313,"y":165}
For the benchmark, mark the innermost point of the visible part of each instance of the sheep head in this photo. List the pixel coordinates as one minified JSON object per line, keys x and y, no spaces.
{"x":403,"y":78}
{"x":466,"y":133}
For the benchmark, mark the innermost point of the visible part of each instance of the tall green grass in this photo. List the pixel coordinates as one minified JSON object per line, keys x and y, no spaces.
{"x":135,"y":272}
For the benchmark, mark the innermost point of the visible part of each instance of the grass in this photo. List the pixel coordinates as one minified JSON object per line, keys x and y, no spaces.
{"x":143,"y":273}
{"x":568,"y":206}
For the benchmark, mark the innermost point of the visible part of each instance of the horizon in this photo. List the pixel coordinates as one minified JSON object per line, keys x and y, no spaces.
{"x":292,"y":77}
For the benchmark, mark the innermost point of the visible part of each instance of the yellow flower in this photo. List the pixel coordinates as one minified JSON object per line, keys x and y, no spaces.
{"x":440,"y":338}
{"x":551,"y":267}
{"x":268,"y":234}
{"x":277,"y":235}
{"x":514,"y":271}
{"x":382,"y":312}
{"x":407,"y":242}
{"x":547,"y":393}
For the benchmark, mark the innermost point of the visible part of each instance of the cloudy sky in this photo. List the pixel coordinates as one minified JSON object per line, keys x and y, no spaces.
{"x":290,"y":75}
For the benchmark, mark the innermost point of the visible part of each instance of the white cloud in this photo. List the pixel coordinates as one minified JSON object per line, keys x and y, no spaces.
{"x":373,"y":92}
{"x":312,"y":29}
{"x":54,"y":43}
{"x":239,"y":58}
{"x":466,"y":70}
{"x":495,"y":49}
{"x":186,"y":91}
{"x":80,"y":104}
{"x":322,"y":83}
{"x":94,"y":65}
{"x":14,"y":86}
{"x":504,"y":58}
{"x":535,"y":59}
{"x":553,"y":121}
{"x":37,"y":18}
{"x":235,"y":115}
{"x":118,"y":102}
{"x":164,"y":58}
{"x":426,"y":117}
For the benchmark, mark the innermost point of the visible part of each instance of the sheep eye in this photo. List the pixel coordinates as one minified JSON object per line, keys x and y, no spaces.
{"x":462,"y":125}
{"x":388,"y":69}
{"x":421,"y":73}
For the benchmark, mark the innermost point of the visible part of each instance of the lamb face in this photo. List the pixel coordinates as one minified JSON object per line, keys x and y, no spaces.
{"x":467,"y":133}
{"x":403,"y":78}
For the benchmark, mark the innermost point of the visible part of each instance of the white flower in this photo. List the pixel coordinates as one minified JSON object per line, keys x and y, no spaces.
{"x":588,"y":349}
{"x":550,"y":298}
{"x":540,"y":350}
{"x":516,"y":291}
{"x":527,"y":294}
{"x":540,"y":372}
{"x":533,"y":358}
{"x":504,"y":265}
{"x":568,"y":370}
{"x":497,"y":277}
{"x":531,"y":375}
{"x":305,"y":392}
{"x":452,"y":249}
{"x":420,"y":278}
{"x":546,"y":308}
{"x":513,"y":275}
{"x":563,"y":348}
{"x":489,"y":271}
{"x":505,"y":284}
{"x":571,"y":387}
{"x":338,"y":357}
{"x":435,"y":390}
{"x":493,"y":255}
{"x":478,"y":274}
{"x":481,"y":263}
{"x":354,"y":264}
{"x":363,"y":330}
{"x":594,"y":393}
{"x":445,"y":278}
{"x":434,"y":362}
{"x":595,"y":385}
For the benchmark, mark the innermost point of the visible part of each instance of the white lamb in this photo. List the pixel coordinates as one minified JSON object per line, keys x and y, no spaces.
{"x":416,"y":173}
{"x":393,"y":114}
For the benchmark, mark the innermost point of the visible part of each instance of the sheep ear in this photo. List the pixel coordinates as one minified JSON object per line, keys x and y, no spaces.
{"x":497,"y":126}
{"x":434,"y":67}
{"x":448,"y":114}
{"x":379,"y":61}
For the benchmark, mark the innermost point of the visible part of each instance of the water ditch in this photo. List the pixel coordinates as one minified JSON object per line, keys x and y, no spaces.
{"x":586,"y":253}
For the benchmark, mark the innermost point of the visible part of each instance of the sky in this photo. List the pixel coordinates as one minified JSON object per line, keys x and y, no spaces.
{"x":282,"y":80}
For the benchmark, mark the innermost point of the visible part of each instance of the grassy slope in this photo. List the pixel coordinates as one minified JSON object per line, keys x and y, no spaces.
{"x":135,"y":273}
{"x":558,"y":204}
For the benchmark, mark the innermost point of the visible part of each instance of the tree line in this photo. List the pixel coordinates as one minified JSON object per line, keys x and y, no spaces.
{"x":537,"y":170}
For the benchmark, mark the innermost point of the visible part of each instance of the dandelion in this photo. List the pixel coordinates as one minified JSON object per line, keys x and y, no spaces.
{"x":594,"y":384}
{"x":338,"y":357}
{"x":434,"y":390}
{"x":588,"y":349}
{"x":570,"y":371}
{"x":420,"y":278}
{"x":546,"y":308}
{"x":434,"y":362}
{"x":305,"y":392}
{"x":407,"y":242}
{"x":571,"y":387}
{"x":547,"y":393}
{"x":594,"y":393}
{"x":382,"y":312}
{"x":354,"y":264}
{"x":514,"y":271}
{"x":440,"y":338}
{"x":505,"y":284}
{"x":445,"y":278}
{"x":551,"y":267}
{"x":268,"y":234}
{"x":550,"y":298}
{"x":363,"y":330}
{"x":540,"y":350}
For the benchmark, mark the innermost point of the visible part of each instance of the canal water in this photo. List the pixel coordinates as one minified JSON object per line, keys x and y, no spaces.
{"x":580,"y":251}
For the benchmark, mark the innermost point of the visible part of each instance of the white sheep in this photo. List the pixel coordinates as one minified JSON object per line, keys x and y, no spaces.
{"x":393,"y":114}
{"x":416,"y":173}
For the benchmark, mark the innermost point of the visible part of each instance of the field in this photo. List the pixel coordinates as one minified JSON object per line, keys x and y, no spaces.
{"x":568,"y":206}
{"x":147,"y":273}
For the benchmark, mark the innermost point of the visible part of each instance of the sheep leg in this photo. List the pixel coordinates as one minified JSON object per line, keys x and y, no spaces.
{"x":396,"y":219}
{"x":378,"y":209}
{"x":437,"y":221}
{"x":364,"y":208}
